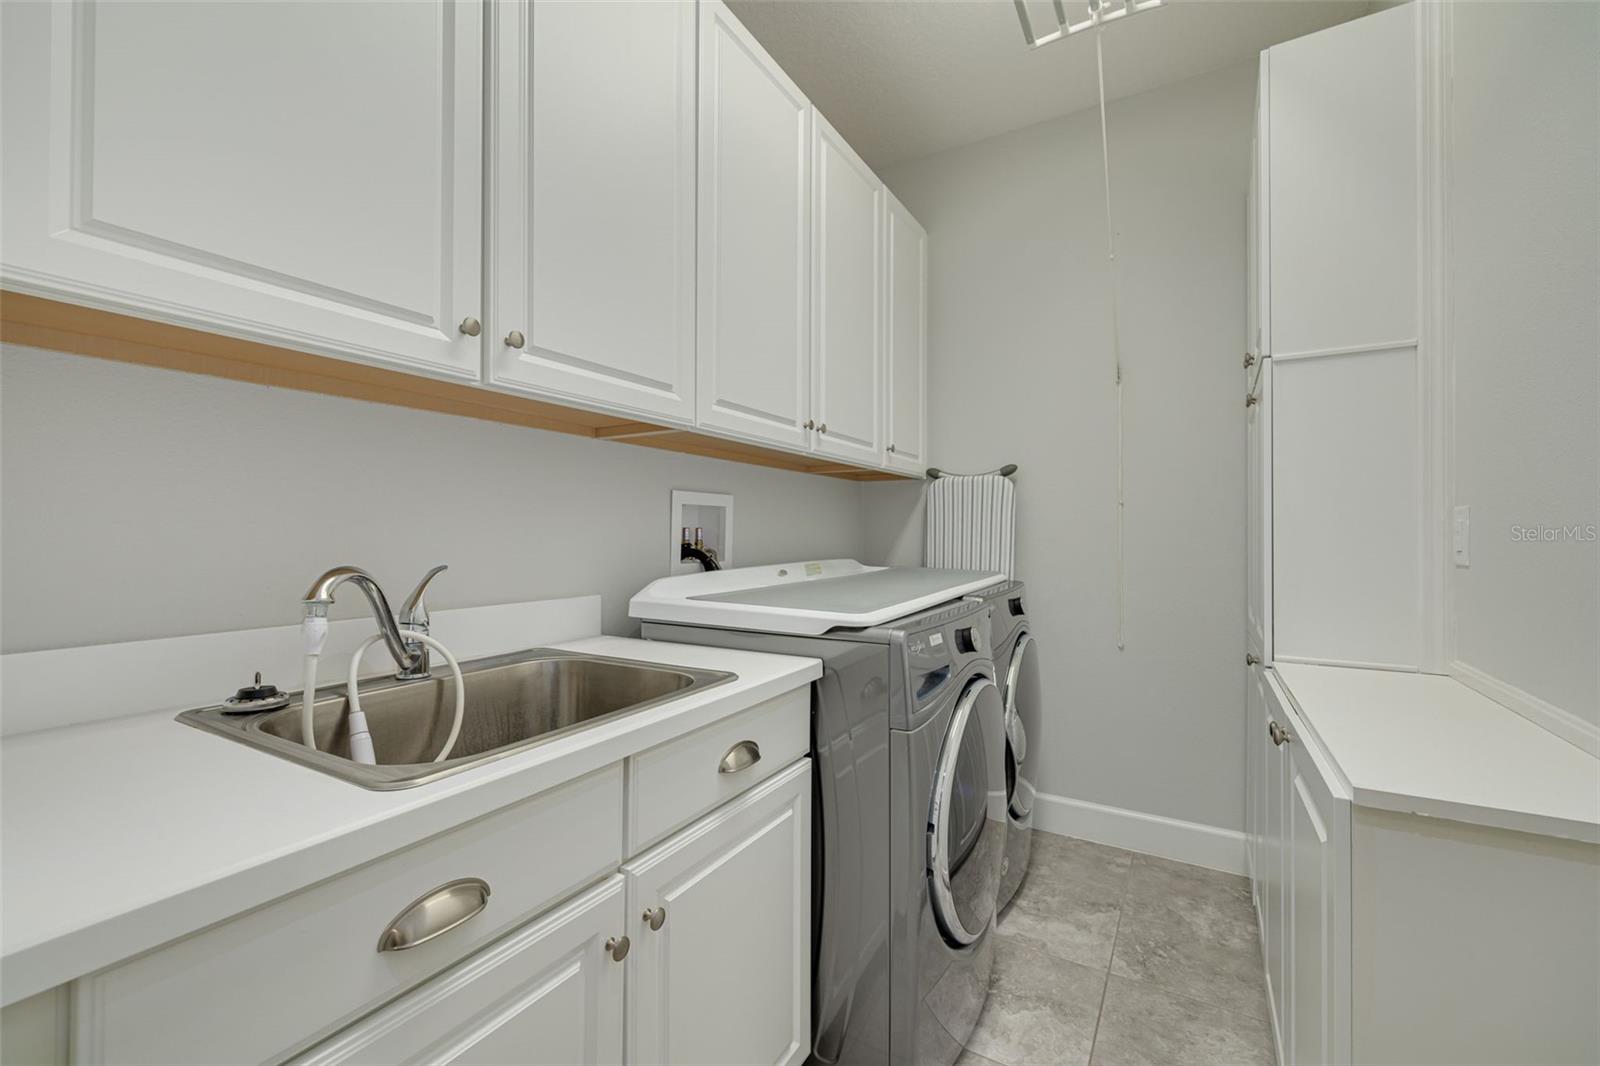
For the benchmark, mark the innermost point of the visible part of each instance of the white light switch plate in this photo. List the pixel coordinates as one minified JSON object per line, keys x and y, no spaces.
{"x":1460,"y":536}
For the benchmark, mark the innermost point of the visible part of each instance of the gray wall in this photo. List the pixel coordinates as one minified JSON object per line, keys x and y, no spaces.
{"x":1021,"y":372}
{"x":1525,"y":329}
{"x":145,"y":503}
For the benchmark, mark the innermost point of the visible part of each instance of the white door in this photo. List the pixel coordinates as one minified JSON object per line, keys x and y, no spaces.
{"x":720,"y":917}
{"x":306,"y":175}
{"x":1310,"y":880}
{"x":753,"y":332}
{"x":592,"y":202}
{"x":906,"y":360}
{"x":1255,"y":724}
{"x":1275,"y":897}
{"x":846,"y":299}
{"x":1258,"y":510}
{"x":551,"y":992}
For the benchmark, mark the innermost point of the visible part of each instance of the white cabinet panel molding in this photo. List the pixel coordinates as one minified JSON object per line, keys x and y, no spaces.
{"x":906,"y":346}
{"x":1342,"y":165}
{"x":753,"y":333}
{"x":1346,"y":510}
{"x":331,"y":206}
{"x":846,"y":298}
{"x":591,"y":225}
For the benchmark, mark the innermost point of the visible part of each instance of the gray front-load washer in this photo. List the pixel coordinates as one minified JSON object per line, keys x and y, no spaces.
{"x":908,"y":734}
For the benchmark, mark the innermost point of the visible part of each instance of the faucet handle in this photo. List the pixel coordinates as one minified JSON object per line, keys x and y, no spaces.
{"x":414,"y":611}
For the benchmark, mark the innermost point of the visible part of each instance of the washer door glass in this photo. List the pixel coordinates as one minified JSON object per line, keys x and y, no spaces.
{"x":966,"y":824}
{"x":1022,"y":716}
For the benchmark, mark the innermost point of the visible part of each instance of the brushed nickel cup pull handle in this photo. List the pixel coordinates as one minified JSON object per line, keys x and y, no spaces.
{"x":741,"y":756}
{"x":617,"y":947}
{"x":436,"y":913}
{"x":655,"y":918}
{"x":471,"y":326}
{"x":515,"y":339}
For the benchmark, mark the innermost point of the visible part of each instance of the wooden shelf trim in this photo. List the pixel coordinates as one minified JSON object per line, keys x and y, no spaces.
{"x":37,"y":322}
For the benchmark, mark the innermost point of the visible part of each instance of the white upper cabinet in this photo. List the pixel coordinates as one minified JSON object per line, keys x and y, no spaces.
{"x":1342,"y":168}
{"x":754,"y":238}
{"x":591,"y":224}
{"x":301,"y":174}
{"x":847,"y":305}
{"x":906,"y":319}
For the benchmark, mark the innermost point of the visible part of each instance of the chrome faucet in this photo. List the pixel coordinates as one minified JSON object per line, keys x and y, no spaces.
{"x":414,"y":619}
{"x":410,"y":656}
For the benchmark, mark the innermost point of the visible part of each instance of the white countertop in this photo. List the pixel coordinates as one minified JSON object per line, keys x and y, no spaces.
{"x":1427,"y":744}
{"x":121,"y":835}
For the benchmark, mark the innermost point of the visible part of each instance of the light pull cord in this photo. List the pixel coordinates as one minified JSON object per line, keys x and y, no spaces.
{"x":1113,"y":277}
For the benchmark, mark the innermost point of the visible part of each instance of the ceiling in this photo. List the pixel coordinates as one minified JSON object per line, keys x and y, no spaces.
{"x":901,"y":79}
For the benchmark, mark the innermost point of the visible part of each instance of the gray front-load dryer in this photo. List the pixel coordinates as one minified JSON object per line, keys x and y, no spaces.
{"x":908,"y":737}
{"x":1016,"y":663}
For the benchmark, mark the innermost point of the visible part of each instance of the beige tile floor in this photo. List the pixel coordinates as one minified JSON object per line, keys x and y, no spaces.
{"x":1109,"y":957}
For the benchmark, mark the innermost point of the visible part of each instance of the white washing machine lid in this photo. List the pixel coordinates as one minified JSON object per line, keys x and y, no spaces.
{"x":803,"y":598}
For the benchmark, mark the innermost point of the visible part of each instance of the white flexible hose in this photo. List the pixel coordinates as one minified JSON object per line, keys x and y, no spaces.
{"x":359,"y":720}
{"x":1114,"y":276}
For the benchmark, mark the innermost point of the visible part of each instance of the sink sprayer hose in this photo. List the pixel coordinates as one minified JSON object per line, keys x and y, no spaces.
{"x":316,"y":635}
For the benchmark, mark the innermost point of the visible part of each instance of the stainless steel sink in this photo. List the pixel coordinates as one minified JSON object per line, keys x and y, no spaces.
{"x":513,"y":703}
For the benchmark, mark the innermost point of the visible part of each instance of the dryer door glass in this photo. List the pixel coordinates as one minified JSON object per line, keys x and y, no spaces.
{"x":1022,"y":726}
{"x":966,"y":823}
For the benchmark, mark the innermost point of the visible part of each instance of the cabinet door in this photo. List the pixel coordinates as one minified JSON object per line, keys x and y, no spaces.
{"x":726,"y":977}
{"x":846,"y":299}
{"x":1258,"y":510}
{"x":1255,"y":724}
{"x":754,"y":239}
{"x":549,"y":993}
{"x":1342,"y":186}
{"x":592,"y":226}
{"x":1311,"y":887}
{"x":1275,"y":897}
{"x":906,"y":359}
{"x":307,"y":175}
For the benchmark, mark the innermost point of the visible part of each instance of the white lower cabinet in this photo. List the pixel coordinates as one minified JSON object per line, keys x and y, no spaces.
{"x":1300,"y":840}
{"x":551,"y":993}
{"x":721,"y":960}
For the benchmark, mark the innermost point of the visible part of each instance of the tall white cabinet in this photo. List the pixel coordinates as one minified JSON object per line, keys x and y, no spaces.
{"x":1336,"y":310}
{"x":591,"y":225}
{"x":906,"y":345}
{"x":846,"y":298}
{"x":755,"y":238}
{"x":256,"y":170}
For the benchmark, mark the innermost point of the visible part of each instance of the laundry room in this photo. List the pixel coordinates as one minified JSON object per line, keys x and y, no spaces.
{"x":998,"y":532}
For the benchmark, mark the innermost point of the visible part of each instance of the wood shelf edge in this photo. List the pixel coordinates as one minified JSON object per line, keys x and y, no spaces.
{"x":38,"y":322}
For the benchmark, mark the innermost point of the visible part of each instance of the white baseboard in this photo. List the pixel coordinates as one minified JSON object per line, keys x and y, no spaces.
{"x":1152,"y":834}
{"x":1564,"y":724}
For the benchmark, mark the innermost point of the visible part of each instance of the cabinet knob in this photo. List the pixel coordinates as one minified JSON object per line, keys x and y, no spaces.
{"x":1251,"y":660}
{"x":1250,"y":401}
{"x":1280,"y":736}
{"x":515,"y":339}
{"x":811,"y":423}
{"x":655,"y":917}
{"x":823,"y":428}
{"x":1249,"y":360}
{"x":617,"y":947}
{"x":471,"y":326}
{"x":891,"y":449}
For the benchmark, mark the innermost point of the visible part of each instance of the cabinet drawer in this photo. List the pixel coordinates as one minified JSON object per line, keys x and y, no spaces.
{"x":671,"y":785}
{"x":551,"y":992}
{"x":262,"y":985}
